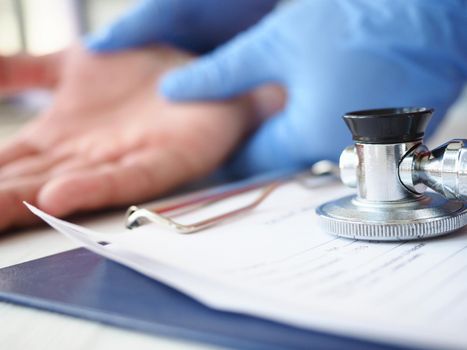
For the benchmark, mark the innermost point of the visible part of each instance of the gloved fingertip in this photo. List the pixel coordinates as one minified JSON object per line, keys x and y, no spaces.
{"x":172,"y":87}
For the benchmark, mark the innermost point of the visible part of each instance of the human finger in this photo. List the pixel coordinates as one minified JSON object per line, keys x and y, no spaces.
{"x":72,"y":165}
{"x":135,"y":178}
{"x":12,"y":195}
{"x":20,"y":72}
{"x":31,"y":165}
{"x":14,"y":150}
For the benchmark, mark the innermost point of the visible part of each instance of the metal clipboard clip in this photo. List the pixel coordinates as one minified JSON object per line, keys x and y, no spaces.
{"x":136,"y":216}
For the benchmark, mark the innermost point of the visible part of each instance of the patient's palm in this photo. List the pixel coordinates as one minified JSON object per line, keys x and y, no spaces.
{"x":108,"y":140}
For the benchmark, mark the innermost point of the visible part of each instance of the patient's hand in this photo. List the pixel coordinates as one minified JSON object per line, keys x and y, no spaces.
{"x":107,"y":139}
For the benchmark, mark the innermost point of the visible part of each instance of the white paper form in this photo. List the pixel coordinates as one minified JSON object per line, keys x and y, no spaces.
{"x":276,"y":263}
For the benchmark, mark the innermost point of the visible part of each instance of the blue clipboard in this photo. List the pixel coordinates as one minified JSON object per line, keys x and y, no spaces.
{"x":82,"y":284}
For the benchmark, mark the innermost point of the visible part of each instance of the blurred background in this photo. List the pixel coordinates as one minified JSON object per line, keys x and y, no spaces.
{"x":43,"y":26}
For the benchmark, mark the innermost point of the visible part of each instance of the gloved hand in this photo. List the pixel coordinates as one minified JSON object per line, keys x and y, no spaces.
{"x":195,"y":25}
{"x":333,"y":56}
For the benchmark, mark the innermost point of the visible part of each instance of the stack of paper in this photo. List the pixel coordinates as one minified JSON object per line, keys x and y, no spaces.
{"x":277,"y":263}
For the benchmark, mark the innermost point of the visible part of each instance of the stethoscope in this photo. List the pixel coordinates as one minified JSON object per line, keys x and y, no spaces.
{"x":389,"y":166}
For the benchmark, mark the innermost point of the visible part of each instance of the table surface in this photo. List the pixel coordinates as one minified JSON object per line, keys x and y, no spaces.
{"x":24,"y":328}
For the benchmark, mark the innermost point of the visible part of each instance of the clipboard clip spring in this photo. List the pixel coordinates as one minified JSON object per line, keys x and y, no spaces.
{"x":136,"y":216}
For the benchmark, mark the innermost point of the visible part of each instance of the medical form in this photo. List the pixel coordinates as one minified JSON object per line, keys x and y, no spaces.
{"x":276,"y":263}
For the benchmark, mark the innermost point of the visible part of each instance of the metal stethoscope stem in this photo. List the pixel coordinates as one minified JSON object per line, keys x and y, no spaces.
{"x":406,"y":166}
{"x":444,"y":169}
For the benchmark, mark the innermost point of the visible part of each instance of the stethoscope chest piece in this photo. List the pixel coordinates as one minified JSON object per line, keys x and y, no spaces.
{"x":391,"y":170}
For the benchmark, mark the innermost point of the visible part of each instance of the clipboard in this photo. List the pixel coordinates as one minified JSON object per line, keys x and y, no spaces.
{"x":85,"y":285}
{"x":82,"y":284}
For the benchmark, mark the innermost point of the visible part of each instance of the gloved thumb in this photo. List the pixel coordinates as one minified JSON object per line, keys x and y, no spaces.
{"x":141,"y":25}
{"x":241,"y":64}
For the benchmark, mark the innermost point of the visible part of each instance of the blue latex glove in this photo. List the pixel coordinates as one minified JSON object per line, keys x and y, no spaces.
{"x":333,"y":56}
{"x":195,"y":25}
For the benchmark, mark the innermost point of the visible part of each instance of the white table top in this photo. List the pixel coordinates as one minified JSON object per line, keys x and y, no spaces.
{"x":24,"y":328}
